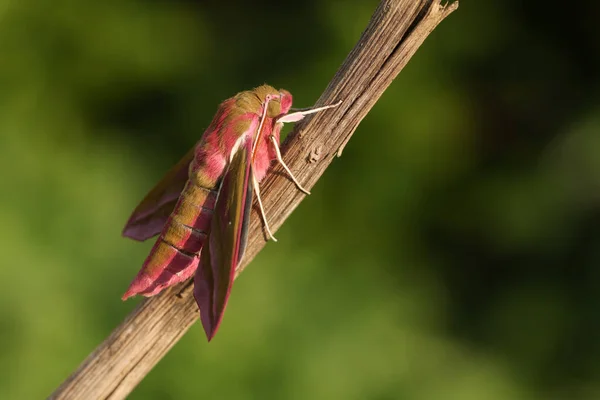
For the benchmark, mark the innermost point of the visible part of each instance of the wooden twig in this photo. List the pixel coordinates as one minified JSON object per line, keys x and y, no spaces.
{"x":394,"y":33}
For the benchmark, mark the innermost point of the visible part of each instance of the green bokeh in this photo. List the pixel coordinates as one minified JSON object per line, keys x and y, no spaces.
{"x":451,"y":253}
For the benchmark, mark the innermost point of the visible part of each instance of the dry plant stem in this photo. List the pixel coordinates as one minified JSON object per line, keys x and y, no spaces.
{"x":396,"y":30}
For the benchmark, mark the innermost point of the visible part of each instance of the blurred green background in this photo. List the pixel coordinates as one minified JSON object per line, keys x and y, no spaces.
{"x":451,"y":253}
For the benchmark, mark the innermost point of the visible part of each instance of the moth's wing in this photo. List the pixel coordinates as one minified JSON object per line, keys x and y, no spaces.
{"x":149,"y":217}
{"x":226,"y":240}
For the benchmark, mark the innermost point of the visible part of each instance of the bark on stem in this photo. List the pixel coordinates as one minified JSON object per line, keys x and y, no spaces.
{"x":395,"y":32}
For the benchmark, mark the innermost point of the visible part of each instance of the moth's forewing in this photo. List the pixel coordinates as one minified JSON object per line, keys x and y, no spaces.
{"x":227,"y":239}
{"x":149,"y":217}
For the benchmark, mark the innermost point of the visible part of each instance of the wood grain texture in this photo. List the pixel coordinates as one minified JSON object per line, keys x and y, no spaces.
{"x":395,"y":32}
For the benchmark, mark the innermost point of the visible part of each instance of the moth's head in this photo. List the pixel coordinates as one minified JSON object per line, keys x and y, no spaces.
{"x":280,"y":101}
{"x":285,"y":101}
{"x":279,"y":104}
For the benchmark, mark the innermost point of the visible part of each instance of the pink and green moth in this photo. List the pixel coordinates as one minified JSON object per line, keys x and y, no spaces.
{"x":201,"y":207}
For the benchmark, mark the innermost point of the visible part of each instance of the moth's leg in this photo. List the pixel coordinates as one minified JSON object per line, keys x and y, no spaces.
{"x":298,"y":115}
{"x":280,"y":159}
{"x":262,"y":210}
{"x":268,"y":98}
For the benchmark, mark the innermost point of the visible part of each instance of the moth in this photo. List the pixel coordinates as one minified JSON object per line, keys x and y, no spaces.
{"x":201,"y":207}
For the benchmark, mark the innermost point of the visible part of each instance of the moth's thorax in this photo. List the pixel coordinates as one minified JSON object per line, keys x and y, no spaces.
{"x":236,"y":116}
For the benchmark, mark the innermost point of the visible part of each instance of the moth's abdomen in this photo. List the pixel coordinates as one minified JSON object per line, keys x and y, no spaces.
{"x":175,"y":255}
{"x":189,"y":223}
